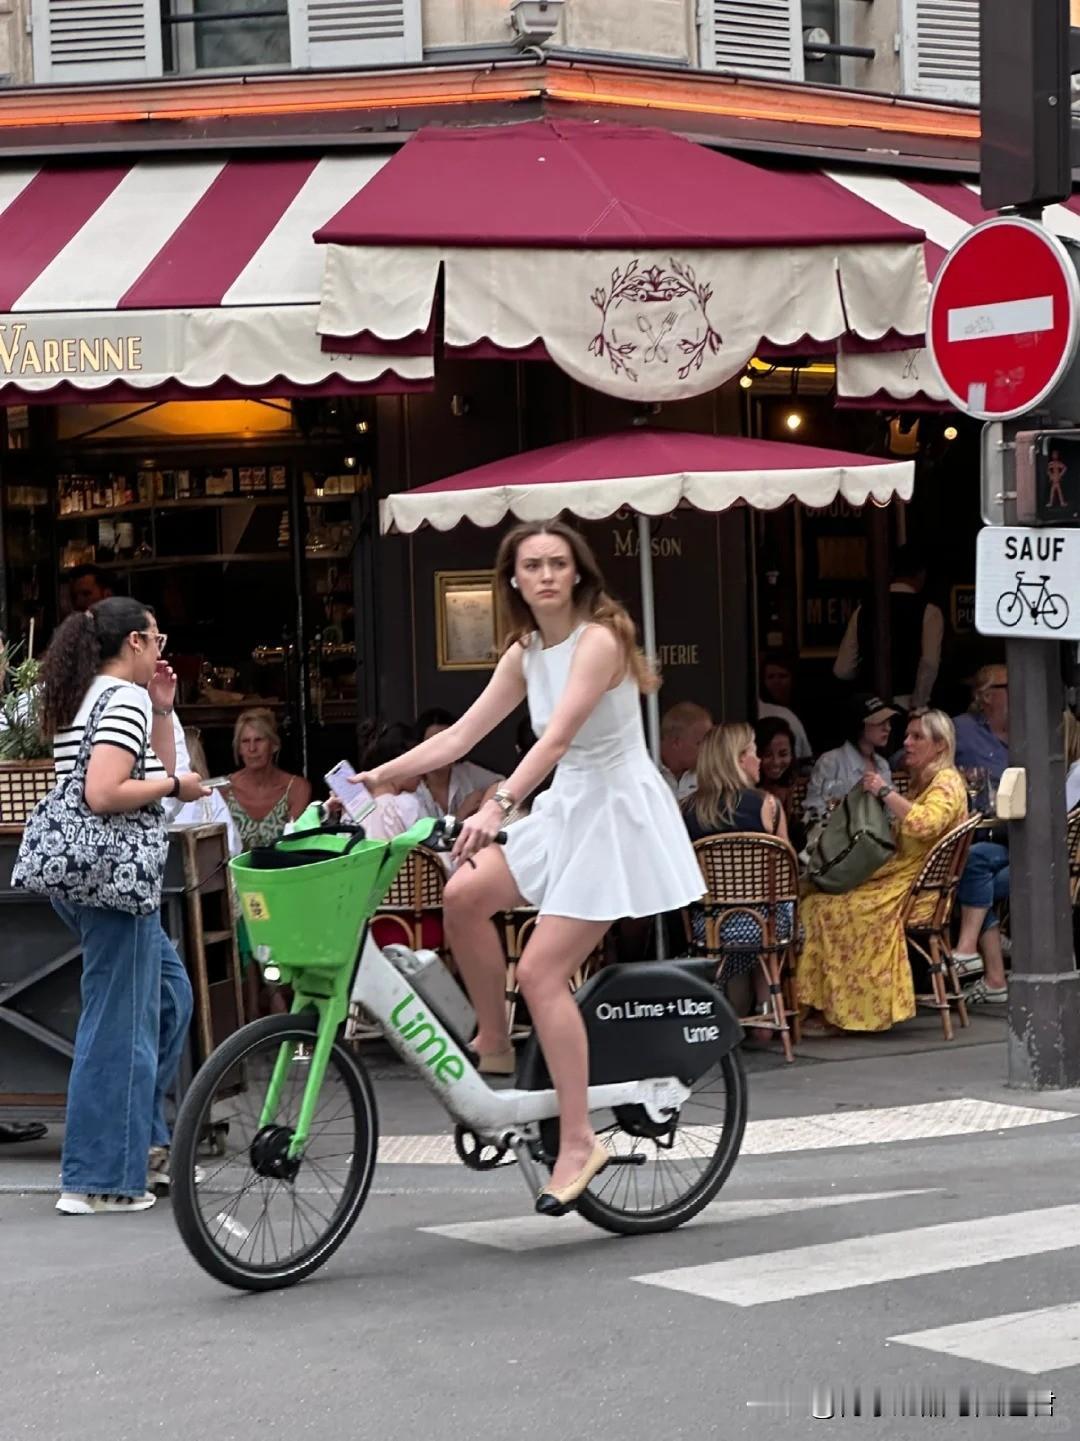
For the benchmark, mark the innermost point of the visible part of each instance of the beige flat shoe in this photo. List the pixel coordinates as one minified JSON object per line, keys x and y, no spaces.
{"x":556,"y":1202}
{"x":495,"y":1063}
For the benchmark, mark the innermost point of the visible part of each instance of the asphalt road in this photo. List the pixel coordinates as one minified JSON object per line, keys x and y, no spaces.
{"x":814,"y":1263}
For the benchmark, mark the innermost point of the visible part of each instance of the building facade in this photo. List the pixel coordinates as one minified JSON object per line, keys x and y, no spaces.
{"x":143,"y":83}
{"x":921,"y":48}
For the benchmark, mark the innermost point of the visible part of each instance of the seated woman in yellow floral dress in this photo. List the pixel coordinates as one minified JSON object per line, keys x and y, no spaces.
{"x":854,"y":969}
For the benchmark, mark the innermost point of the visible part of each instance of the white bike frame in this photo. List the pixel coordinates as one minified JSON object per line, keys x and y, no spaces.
{"x":429,"y":1050}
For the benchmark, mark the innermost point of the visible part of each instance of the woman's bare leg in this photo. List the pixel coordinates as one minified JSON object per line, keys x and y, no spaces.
{"x":971,"y":924}
{"x":475,"y":893}
{"x":557,"y":948}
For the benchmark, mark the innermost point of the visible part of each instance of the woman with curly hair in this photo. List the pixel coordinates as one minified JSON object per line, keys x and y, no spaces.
{"x":104,"y":670}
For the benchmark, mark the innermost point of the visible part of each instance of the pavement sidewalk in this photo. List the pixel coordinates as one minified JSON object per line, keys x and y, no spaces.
{"x":910,"y":1065}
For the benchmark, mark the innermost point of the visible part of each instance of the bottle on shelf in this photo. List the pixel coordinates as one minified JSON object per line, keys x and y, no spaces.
{"x":183,"y":485}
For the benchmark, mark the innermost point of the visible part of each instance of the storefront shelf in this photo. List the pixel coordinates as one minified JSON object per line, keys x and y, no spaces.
{"x":213,"y":502}
{"x":163,"y":562}
{"x":195,"y":503}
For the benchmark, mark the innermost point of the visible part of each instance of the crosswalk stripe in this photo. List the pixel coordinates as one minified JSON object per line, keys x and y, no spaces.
{"x":534,"y":1233}
{"x":1031,"y":1341}
{"x":869,"y":1260}
{"x":831,"y":1130}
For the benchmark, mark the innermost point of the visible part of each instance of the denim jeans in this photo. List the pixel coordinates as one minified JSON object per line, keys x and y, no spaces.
{"x":136,"y":1007}
{"x":985,"y":879}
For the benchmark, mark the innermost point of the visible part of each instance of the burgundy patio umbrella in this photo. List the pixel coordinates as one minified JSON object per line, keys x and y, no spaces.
{"x":651,"y":472}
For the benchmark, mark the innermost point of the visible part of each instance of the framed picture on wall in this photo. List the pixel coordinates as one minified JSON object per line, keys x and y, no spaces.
{"x":465,"y":626}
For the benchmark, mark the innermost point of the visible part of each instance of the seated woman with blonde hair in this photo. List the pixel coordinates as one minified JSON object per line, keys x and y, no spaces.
{"x":854,"y":969}
{"x":262,"y":799}
{"x":727,"y":800}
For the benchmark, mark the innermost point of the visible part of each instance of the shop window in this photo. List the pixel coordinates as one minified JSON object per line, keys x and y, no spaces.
{"x":225,"y":34}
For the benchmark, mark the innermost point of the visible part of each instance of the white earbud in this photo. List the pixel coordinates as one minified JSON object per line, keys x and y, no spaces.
{"x":513,"y":582}
{"x":577,"y":579}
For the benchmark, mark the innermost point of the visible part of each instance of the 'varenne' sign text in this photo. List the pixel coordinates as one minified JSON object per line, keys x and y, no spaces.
{"x":22,"y":353}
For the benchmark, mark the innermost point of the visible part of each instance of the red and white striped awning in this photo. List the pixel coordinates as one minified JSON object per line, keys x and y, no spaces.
{"x":187,"y":277}
{"x":945,"y":210}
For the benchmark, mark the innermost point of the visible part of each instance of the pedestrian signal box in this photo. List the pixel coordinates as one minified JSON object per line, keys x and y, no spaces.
{"x":1048,"y":477}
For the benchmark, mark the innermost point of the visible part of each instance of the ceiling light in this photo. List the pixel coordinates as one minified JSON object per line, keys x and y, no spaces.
{"x":793,"y":420}
{"x":951,"y":432}
{"x":746,"y":381}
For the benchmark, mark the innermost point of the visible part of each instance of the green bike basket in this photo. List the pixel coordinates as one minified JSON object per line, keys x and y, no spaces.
{"x":309,"y":915}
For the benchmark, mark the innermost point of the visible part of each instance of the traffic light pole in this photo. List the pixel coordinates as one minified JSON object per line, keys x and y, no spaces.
{"x":1044,"y":988}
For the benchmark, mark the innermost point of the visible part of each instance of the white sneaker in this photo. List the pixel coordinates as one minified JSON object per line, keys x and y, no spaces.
{"x":78,"y":1203}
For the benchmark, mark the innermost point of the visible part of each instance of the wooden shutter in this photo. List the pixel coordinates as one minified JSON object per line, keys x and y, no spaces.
{"x":329,"y":34}
{"x":940,"y":51}
{"x":753,"y":37}
{"x":77,"y":40}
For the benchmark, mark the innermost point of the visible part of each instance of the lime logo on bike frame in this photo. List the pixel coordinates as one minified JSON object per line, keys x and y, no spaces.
{"x":424,"y":1036}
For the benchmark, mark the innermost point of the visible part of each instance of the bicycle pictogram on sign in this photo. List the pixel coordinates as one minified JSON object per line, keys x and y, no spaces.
{"x":1034,"y":599}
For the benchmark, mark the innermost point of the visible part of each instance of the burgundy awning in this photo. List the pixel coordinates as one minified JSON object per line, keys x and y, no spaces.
{"x":643,"y":264}
{"x":652,"y":472}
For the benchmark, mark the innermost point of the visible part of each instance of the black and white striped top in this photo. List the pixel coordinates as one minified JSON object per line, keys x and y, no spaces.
{"x":125,"y":722}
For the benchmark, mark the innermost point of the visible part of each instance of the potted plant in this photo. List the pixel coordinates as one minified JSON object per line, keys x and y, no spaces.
{"x":26,"y":768}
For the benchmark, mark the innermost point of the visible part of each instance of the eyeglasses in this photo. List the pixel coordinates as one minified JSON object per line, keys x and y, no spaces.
{"x":158,"y":636}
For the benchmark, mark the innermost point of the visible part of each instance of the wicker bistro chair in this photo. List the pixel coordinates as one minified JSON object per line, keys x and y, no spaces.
{"x":1072,"y":848}
{"x":414,"y":898}
{"x":410,"y":915}
{"x":517,"y":927}
{"x":751,"y":876}
{"x":926,"y":919}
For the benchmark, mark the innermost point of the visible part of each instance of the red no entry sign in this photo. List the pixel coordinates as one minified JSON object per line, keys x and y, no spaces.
{"x":1002,"y":328}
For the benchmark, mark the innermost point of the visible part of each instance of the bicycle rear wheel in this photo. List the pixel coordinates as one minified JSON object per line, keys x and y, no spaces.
{"x":252,"y":1218}
{"x":666,"y":1173}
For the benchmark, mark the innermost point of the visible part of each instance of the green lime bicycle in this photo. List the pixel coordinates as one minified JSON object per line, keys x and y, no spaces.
{"x":276,"y":1140}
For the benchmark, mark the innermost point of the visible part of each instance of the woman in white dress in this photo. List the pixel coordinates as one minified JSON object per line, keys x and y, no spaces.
{"x":606,"y":841}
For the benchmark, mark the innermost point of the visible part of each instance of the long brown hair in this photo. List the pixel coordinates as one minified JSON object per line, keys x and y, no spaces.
{"x":721,"y":780}
{"x":591,"y":599}
{"x":80,"y":646}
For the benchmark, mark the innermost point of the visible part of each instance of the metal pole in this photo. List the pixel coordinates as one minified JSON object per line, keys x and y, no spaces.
{"x":648,"y":630}
{"x":648,"y":636}
{"x":1044,"y":990}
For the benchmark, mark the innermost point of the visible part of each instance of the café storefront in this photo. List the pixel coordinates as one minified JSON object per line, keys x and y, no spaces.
{"x":207,"y":404}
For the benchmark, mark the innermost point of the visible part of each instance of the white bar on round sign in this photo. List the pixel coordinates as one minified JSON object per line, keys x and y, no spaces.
{"x":1005,"y":317}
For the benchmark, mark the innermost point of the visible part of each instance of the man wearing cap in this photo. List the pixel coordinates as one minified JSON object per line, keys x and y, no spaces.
{"x":839,"y":771}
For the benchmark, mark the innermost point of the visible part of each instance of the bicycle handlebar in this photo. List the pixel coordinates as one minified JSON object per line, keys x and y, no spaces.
{"x":449,"y":828}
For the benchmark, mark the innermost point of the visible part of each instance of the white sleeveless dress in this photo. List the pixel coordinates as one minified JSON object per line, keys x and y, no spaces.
{"x":606,"y":840}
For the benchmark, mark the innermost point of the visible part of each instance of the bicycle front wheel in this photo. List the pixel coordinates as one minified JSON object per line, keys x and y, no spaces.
{"x":1055,"y":611}
{"x":251,"y":1217}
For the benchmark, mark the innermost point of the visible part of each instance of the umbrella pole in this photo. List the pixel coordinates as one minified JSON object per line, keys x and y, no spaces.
{"x":648,"y":630}
{"x":648,"y":635}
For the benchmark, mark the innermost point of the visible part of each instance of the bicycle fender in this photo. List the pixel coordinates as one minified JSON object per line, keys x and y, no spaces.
{"x":652,"y":1018}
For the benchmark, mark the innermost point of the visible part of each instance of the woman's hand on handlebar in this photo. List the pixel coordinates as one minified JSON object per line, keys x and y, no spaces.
{"x":478,"y":831}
